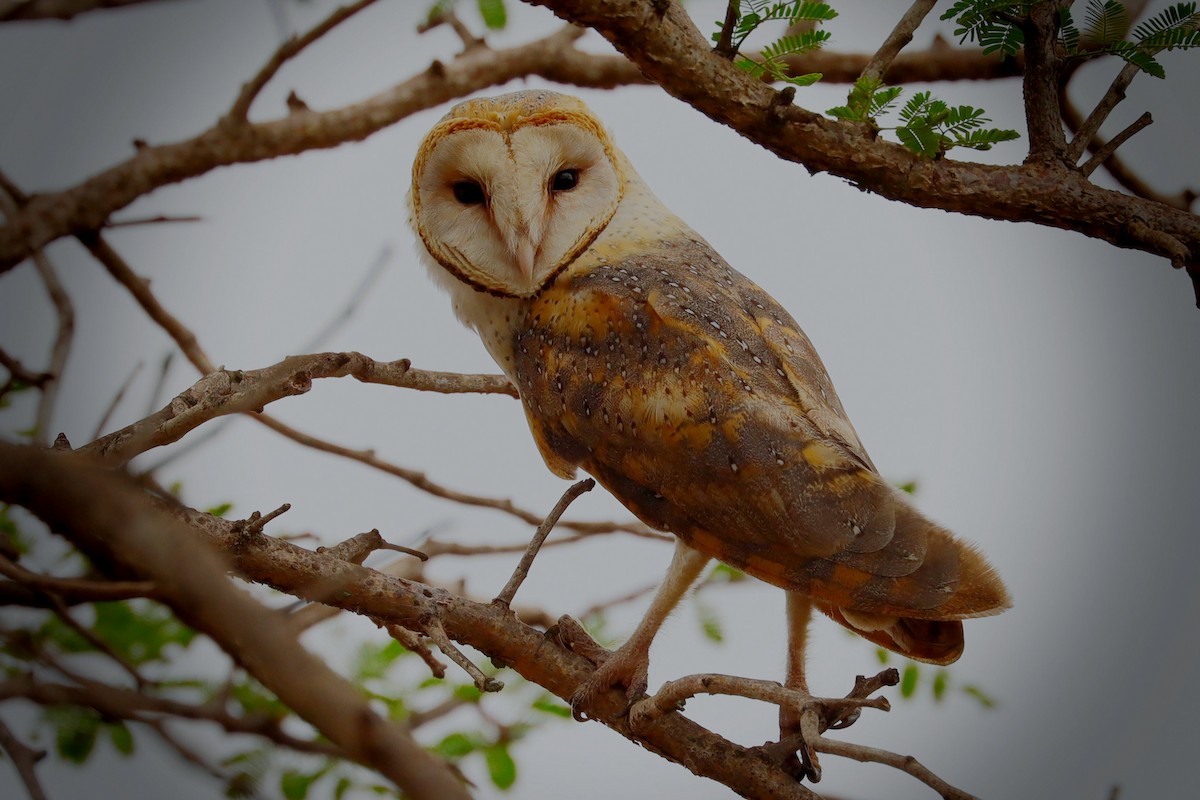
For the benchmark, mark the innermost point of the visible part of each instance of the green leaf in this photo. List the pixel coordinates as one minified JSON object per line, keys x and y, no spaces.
{"x":1068,"y":34}
{"x":908,"y":680}
{"x":75,"y":731}
{"x":908,"y":487}
{"x":921,"y":139}
{"x":121,"y":738}
{"x":940,"y":679}
{"x":456,"y":745}
{"x":494,"y":14}
{"x":724,"y":572}
{"x":374,"y":660}
{"x":1180,"y":16}
{"x":139,"y":630}
{"x":984,"y":699}
{"x":1106,"y":22}
{"x":468,"y":693}
{"x":882,"y":654}
{"x":9,"y":532}
{"x":344,"y":784}
{"x":295,"y":785}
{"x":710,"y":623}
{"x":548,"y":704}
{"x":501,"y":767}
{"x":220,"y":510}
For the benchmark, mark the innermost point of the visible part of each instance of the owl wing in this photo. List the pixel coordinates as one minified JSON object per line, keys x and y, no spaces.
{"x":698,"y":402}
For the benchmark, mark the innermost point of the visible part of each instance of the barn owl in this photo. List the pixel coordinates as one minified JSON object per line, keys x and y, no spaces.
{"x":643,"y":358}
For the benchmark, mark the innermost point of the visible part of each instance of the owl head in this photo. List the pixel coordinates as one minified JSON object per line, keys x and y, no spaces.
{"x":508,"y":190}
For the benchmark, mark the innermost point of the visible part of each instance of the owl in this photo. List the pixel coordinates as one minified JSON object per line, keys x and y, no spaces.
{"x":646,"y":360}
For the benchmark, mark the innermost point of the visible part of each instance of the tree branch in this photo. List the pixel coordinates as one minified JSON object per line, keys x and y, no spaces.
{"x":673,"y":54}
{"x":107,"y":517}
{"x":17,"y":10}
{"x":896,"y":41}
{"x":288,"y":50}
{"x":24,"y":759}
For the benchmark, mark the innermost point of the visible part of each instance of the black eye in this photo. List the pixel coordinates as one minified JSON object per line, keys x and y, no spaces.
{"x":564,"y":180}
{"x":469,"y":193}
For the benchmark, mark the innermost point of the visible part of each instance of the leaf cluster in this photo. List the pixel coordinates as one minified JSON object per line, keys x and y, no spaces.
{"x":771,"y":61}
{"x":1106,"y":25}
{"x":996,"y":25}
{"x":929,"y":127}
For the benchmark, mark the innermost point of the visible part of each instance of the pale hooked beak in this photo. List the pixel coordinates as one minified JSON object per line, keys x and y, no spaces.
{"x":526,"y":252}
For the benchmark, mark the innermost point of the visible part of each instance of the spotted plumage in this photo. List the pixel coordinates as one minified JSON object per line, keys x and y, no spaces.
{"x":643,"y":358}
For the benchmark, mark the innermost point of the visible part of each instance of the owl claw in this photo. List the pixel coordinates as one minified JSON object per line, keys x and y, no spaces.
{"x":624,"y":668}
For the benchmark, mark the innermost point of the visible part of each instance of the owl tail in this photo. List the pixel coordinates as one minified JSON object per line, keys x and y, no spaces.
{"x":919,"y":614}
{"x":931,"y":640}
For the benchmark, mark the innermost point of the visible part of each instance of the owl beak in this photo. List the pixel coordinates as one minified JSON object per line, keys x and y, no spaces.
{"x":526,"y":253}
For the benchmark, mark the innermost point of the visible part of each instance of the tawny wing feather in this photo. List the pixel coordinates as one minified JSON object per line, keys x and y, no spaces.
{"x":697,"y":401}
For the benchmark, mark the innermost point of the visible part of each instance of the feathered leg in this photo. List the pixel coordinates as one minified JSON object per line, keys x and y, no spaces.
{"x":627,"y":666}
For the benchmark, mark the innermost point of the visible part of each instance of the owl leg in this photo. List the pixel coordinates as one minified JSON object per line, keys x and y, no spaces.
{"x":799,"y":612}
{"x":628,"y":665}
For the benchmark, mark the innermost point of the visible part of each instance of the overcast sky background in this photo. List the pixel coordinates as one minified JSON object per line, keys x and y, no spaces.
{"x":1039,"y":385}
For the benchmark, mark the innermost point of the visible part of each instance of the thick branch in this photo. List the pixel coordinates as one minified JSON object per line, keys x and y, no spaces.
{"x":673,"y":53}
{"x":107,"y":517}
{"x":14,"y":10}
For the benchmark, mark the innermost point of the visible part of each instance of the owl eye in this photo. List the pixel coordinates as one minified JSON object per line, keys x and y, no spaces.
{"x":469,"y":193}
{"x":564,"y":180}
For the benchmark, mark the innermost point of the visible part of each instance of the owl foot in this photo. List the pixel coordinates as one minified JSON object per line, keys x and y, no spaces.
{"x":801,"y":725}
{"x":625,"y":668}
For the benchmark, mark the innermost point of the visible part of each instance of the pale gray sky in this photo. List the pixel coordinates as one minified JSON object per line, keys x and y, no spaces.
{"x":1039,"y":385}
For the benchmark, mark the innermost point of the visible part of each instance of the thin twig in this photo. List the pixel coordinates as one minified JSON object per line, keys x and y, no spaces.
{"x":724,"y":46}
{"x":358,"y":547}
{"x":897,"y":40}
{"x":1091,"y":125}
{"x":18,"y":10}
{"x":360,"y":292}
{"x":74,"y":589}
{"x":447,"y":17}
{"x":155,"y":220}
{"x":907,"y":764}
{"x":411,"y":641}
{"x":522,"y":571}
{"x":673,"y":693}
{"x":286,"y":51}
{"x":99,"y":644}
{"x":24,"y":759}
{"x":62,"y":345}
{"x":435,"y":631}
{"x":140,"y":289}
{"x":20,"y":372}
{"x":1105,"y":152}
{"x":120,"y":395}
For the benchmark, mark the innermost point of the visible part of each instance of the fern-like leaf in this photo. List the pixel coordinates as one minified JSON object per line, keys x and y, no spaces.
{"x":1107,"y":23}
{"x":1139,"y":57}
{"x":1181,"y":16}
{"x":1068,"y":34}
{"x":984,"y":139}
{"x":921,"y":139}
